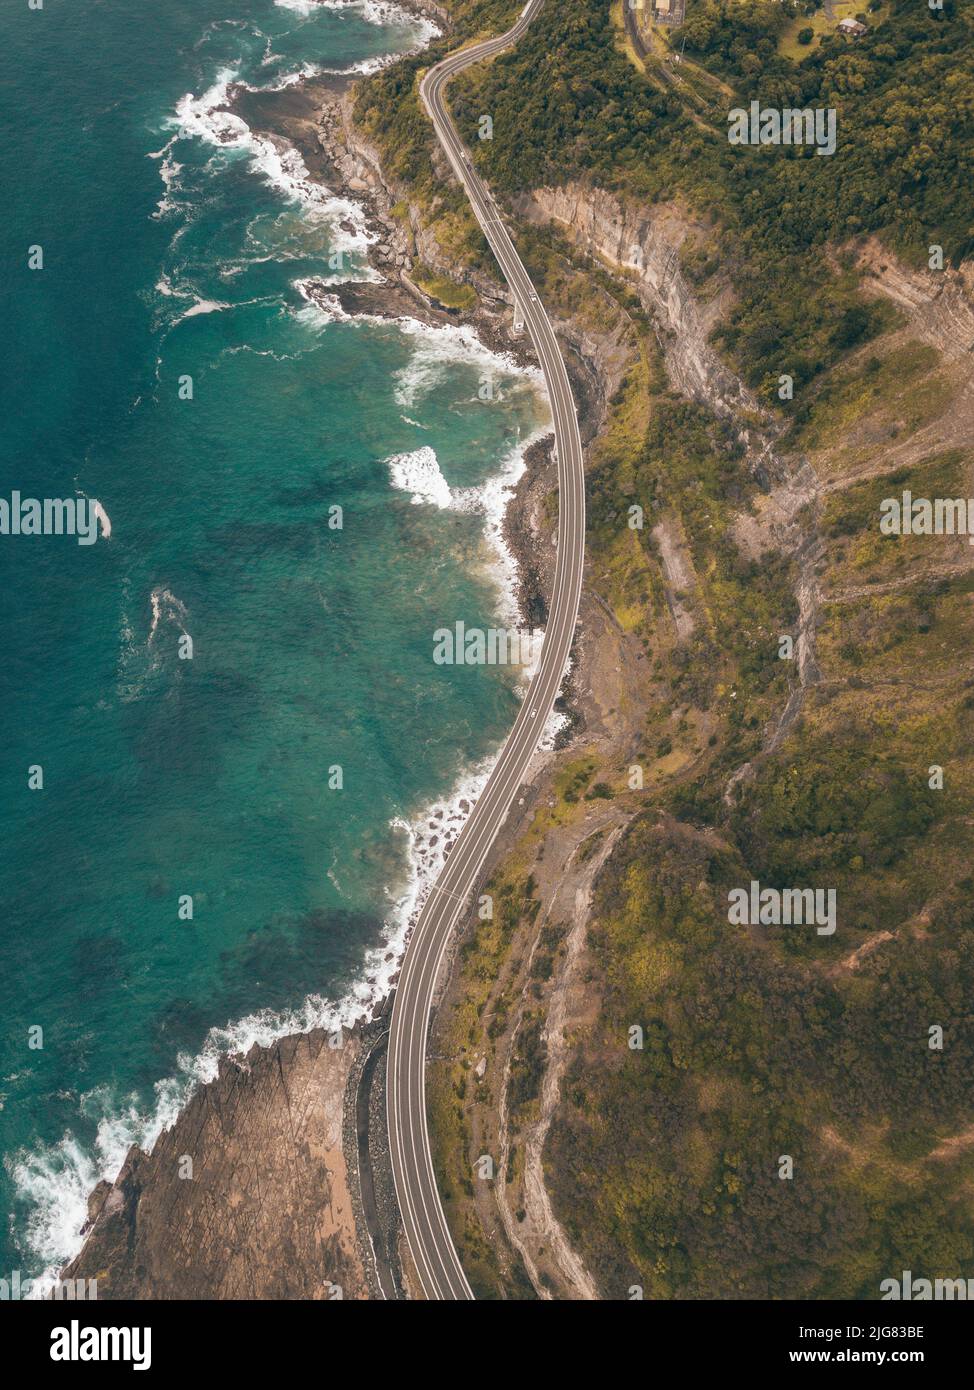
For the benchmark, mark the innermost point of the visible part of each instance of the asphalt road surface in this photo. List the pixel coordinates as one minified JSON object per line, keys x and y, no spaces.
{"x":431,"y":1246}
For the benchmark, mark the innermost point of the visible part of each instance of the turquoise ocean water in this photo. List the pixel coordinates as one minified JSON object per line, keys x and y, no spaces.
{"x":168,"y":254}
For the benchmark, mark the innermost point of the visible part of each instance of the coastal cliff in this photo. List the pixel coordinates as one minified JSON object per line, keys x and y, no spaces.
{"x":645,"y":244}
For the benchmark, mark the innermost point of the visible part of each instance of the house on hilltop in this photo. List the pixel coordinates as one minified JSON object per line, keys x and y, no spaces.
{"x":852,"y":29}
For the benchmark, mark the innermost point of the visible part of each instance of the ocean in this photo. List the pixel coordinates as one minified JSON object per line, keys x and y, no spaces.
{"x":230,"y":763}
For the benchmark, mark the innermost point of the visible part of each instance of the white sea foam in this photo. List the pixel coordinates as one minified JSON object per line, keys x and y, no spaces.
{"x":55,"y":1181}
{"x":438,"y":348}
{"x":418,"y":473}
{"x":166,"y":607}
{"x":169,"y":171}
{"x":364,"y":67}
{"x":142,"y":661}
{"x":199,"y":305}
{"x":492,"y":499}
{"x":104,"y":520}
{"x":321,"y":308}
{"x":382,"y":13}
{"x":289,"y":79}
{"x":201,"y":117}
{"x":203,"y":306}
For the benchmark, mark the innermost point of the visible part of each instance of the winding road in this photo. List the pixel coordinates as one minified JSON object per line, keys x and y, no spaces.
{"x":434,"y":1255}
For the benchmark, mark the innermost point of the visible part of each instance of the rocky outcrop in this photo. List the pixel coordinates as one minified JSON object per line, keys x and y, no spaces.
{"x":410,"y":237}
{"x":247,"y":1196}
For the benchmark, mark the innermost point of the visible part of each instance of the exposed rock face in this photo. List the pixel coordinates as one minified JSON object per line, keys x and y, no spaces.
{"x":938,"y":305}
{"x":647,"y":243}
{"x":267,"y":1212}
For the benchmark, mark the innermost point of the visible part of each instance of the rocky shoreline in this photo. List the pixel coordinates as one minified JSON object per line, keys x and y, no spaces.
{"x":315,"y":117}
{"x":249,"y":1195}
{"x":274,"y":1181}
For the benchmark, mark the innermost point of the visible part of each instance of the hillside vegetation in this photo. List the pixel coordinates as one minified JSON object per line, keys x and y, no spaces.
{"x":666,"y":1163}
